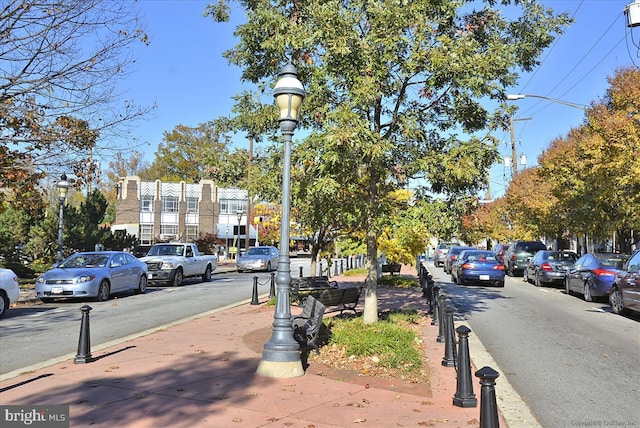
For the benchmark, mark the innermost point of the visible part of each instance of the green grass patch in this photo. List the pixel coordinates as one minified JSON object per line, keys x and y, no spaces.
{"x":356,"y":272}
{"x":392,"y":339}
{"x":398,"y":281}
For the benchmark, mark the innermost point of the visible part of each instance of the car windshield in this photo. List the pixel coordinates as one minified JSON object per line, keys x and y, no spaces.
{"x":258,"y":252}
{"x":613,"y":260}
{"x":480,"y":255}
{"x":166,"y":250}
{"x":85,"y":261}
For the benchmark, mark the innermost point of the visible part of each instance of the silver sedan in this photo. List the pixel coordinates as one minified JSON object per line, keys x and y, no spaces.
{"x":259,"y":258}
{"x":93,"y":274}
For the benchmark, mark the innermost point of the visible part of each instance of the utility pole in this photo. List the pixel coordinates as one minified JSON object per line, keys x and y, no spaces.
{"x":249,"y":196}
{"x":514,"y":154}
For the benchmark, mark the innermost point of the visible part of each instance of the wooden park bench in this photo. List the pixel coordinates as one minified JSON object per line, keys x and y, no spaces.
{"x":343,"y":299}
{"x":306,"y":326}
{"x":393,"y":268}
{"x":304,"y":286}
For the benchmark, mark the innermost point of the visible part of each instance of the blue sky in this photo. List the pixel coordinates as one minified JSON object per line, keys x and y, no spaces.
{"x":184,"y":73}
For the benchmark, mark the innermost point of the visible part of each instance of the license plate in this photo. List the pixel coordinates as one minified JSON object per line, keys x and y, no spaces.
{"x":56,"y":290}
{"x":484,"y":277}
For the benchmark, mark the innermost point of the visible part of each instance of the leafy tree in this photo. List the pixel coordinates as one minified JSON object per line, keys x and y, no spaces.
{"x":61,"y":61}
{"x":391,"y":88}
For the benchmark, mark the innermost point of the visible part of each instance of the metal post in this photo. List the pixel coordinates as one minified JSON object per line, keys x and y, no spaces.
{"x":272,"y":288}
{"x":84,"y":341}
{"x":449,"y":359}
{"x":488,"y":404}
{"x":281,"y":354}
{"x":435,"y":309}
{"x":254,"y":297}
{"x":341,"y":267}
{"x":300,"y":271}
{"x":335,"y":269}
{"x":59,"y":256}
{"x":464,"y":396}
{"x":441,"y":325}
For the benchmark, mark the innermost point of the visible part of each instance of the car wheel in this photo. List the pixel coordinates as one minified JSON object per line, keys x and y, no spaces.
{"x":178,"y":278}
{"x":615,"y":299}
{"x":206,"y":277}
{"x":587,"y":293}
{"x":567,"y":289}
{"x":4,"y":304}
{"x":269,"y":267}
{"x":537,"y":280}
{"x":460,"y":280}
{"x":500,"y":283}
{"x":103,"y":291}
{"x":142,"y":285}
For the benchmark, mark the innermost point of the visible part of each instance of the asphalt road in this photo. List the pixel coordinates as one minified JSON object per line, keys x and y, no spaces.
{"x":43,"y":333}
{"x":573,"y":362}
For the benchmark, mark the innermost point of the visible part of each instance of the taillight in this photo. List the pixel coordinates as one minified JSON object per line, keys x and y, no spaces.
{"x":498,"y":267}
{"x":513,"y":257}
{"x":546,"y":266}
{"x":452,"y":258}
{"x":468,"y":266}
{"x":604,"y":272}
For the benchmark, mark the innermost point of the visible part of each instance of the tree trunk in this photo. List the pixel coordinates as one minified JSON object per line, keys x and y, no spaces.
{"x":370,"y":314}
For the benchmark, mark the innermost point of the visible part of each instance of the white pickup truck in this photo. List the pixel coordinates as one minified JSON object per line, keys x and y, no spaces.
{"x":173,"y":262}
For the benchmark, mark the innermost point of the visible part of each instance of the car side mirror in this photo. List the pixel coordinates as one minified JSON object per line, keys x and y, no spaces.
{"x":634,"y":268}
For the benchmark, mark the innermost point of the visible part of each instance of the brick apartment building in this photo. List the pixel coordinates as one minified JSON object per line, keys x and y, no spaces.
{"x":157,"y":211}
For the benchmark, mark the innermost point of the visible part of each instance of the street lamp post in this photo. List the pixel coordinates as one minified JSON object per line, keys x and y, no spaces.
{"x":63,"y":187}
{"x":514,"y":97}
{"x":239,"y":215}
{"x":281,"y":354}
{"x":227,"y":249}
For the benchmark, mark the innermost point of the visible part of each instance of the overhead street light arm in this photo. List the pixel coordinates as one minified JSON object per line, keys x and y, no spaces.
{"x":514,"y":97}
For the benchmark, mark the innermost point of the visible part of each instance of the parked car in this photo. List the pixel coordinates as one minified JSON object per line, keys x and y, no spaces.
{"x":452,"y":255}
{"x":592,"y":275}
{"x":548,"y":267}
{"x":500,"y":249}
{"x":9,"y":290}
{"x":517,"y":255}
{"x":170,"y":263}
{"x":441,"y":252}
{"x":478,"y":266}
{"x":625,"y":292}
{"x":258,"y":258}
{"x":93,"y":274}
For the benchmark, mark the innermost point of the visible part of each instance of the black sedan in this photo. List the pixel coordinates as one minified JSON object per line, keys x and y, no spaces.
{"x":548,"y":267}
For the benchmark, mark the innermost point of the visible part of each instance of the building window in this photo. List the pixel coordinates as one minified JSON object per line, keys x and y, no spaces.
{"x":146,"y":234}
{"x":146,"y":204}
{"x":170,"y":204}
{"x":232,"y":206}
{"x":168,"y":231}
{"x":192,"y":205}
{"x":191,"y":233}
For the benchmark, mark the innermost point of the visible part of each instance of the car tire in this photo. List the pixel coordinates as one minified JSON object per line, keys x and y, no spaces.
{"x":4,"y":304}
{"x":536,"y":280}
{"x":501,"y":284}
{"x":567,"y":290}
{"x":142,"y":285}
{"x":615,"y":300}
{"x":269,"y":267}
{"x":178,"y":278}
{"x":206,"y":276}
{"x":104,"y":291}
{"x":459,"y":280}
{"x":586,"y":292}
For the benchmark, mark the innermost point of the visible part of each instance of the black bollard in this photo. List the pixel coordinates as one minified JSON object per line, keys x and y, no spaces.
{"x":434,"y":309}
{"x":441,"y":324}
{"x":272,"y":288}
{"x":335,"y":269}
{"x":254,"y":297}
{"x":300,"y":271}
{"x":449,"y":359}
{"x":464,"y":396}
{"x":488,"y":404}
{"x":84,"y":342}
{"x":341,"y":267}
